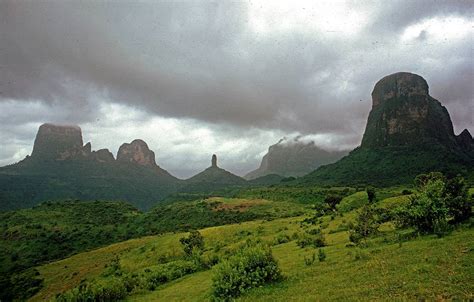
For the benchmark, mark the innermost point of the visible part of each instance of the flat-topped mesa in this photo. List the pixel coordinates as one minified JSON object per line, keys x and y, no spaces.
{"x":214,"y":160}
{"x":401,"y":84}
{"x":403,"y":113}
{"x":136,"y":152}
{"x":59,"y":142}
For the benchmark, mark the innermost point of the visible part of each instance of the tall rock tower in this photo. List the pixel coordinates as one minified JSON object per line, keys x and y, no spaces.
{"x":403,"y":113}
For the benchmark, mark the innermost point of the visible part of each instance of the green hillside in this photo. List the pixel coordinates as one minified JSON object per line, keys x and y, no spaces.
{"x":389,"y":166}
{"x":30,"y":182}
{"x":425,"y":267}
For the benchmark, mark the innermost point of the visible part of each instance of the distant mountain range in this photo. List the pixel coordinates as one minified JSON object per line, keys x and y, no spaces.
{"x":408,"y":132}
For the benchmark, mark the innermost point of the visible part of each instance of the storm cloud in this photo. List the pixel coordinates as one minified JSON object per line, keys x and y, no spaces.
{"x":240,"y":75}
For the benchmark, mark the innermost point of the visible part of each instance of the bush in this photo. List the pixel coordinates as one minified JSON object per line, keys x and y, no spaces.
{"x":20,"y":286}
{"x":371,"y":194}
{"x":193,"y":241}
{"x":439,"y":204}
{"x":308,"y":261}
{"x":321,"y":255}
{"x":311,"y":240}
{"x":332,"y":200}
{"x":281,"y":238}
{"x":366,"y":224}
{"x":251,"y":267}
{"x":168,"y":272}
{"x":112,"y":290}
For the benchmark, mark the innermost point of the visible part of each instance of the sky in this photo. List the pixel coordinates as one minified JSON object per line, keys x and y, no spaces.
{"x":193,"y":78}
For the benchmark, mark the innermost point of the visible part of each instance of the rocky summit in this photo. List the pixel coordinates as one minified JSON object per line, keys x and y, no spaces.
{"x":403,"y":113}
{"x":136,"y":152}
{"x":408,"y":132}
{"x":59,"y":142}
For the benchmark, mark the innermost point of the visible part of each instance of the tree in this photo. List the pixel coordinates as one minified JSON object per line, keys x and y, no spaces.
{"x":371,"y":194}
{"x":193,"y":241}
{"x":458,"y":200}
{"x":366,"y":224}
{"x":332,"y":200}
{"x":438,"y":203}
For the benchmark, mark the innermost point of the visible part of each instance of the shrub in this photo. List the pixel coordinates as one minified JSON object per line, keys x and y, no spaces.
{"x":311,"y":240}
{"x":20,"y":286}
{"x":168,"y":272}
{"x":371,"y":194}
{"x":438,"y":204}
{"x":310,"y":260}
{"x":332,"y":200}
{"x":193,"y":241}
{"x":281,"y":238}
{"x":252,"y":266}
{"x":112,"y":290}
{"x":366,"y":224}
{"x":321,"y":255}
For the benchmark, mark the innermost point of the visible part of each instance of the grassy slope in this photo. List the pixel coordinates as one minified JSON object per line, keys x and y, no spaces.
{"x":426,"y":267}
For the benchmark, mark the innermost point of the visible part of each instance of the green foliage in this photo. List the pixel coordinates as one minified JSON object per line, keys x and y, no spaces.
{"x":297,"y":193}
{"x":366,"y":224}
{"x":371,"y":194}
{"x":314,"y":240}
{"x":352,"y":202}
{"x":55,"y":230}
{"x":387,"y":166}
{"x":168,"y":272}
{"x":321,"y":255}
{"x":251,"y":267}
{"x":438,"y":204}
{"x":332,"y":200}
{"x":308,"y":261}
{"x":192,"y":242}
{"x":20,"y":285}
{"x":281,"y":238}
{"x":112,"y":290}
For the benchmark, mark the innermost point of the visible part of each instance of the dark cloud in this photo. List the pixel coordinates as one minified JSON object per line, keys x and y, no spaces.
{"x":207,"y":62}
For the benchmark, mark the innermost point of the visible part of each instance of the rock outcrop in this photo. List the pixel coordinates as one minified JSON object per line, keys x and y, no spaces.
{"x":214,"y":161}
{"x":293,"y":157}
{"x":213,"y":178}
{"x":103,"y":155}
{"x":465,"y":141}
{"x":403,"y":113}
{"x":408,"y":132}
{"x":59,"y":142}
{"x":136,"y":152}
{"x":61,"y":167}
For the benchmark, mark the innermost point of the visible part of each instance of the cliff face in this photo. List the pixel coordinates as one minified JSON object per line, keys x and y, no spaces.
{"x":59,"y":142}
{"x":293,"y":157}
{"x":408,"y":132}
{"x":403,"y":113}
{"x":136,"y":152}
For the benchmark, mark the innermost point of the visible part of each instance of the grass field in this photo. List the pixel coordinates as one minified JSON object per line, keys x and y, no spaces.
{"x":425,"y":267}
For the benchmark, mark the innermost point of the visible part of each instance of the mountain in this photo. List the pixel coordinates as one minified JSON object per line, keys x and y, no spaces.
{"x":293,"y":157}
{"x":61,"y":167}
{"x":408,"y":132}
{"x":212,"y":178}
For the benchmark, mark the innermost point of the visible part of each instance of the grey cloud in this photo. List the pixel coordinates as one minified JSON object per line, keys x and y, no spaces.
{"x":202,"y":61}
